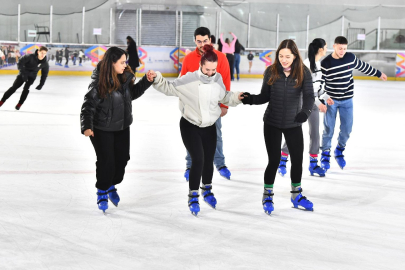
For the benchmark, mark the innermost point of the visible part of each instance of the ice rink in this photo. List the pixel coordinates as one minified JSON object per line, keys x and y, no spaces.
{"x":49,"y":217}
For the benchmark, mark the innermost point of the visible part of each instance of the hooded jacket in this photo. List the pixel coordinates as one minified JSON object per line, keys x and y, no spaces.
{"x":114,"y":112}
{"x":29,"y":65}
{"x":285,"y":100}
{"x":199,"y":96}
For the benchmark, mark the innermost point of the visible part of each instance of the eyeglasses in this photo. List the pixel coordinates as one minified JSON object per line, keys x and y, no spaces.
{"x":199,"y":42}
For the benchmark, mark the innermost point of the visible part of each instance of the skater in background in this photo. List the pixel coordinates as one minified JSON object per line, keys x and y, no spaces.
{"x":228,"y":48}
{"x":81,"y":55}
{"x":337,"y":73}
{"x":238,"y":49}
{"x":67,"y":56}
{"x":286,"y":85}
{"x":132,"y":50}
{"x":316,"y":50}
{"x":199,"y":93}
{"x":213,"y":40}
{"x":191,"y":63}
{"x":250,"y":57}
{"x":219,"y":45}
{"x":28,"y":67}
{"x":106,"y":116}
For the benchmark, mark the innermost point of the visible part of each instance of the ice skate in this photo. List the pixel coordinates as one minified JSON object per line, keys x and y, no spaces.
{"x":299,"y":200}
{"x":102,"y":199}
{"x":187,"y":174}
{"x":340,"y":158}
{"x":267,"y":200}
{"x":282,"y":169}
{"x":18,"y":106}
{"x":314,"y":168}
{"x":209,"y":196}
{"x":224,"y":172}
{"x":193,"y":203}
{"x":113,"y":195}
{"x":325,"y":160}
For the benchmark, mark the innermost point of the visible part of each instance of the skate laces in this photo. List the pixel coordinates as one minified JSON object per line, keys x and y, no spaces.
{"x":192,"y":199}
{"x":302,"y":196}
{"x":268,"y":198}
{"x":102,"y":194}
{"x":207,"y":191}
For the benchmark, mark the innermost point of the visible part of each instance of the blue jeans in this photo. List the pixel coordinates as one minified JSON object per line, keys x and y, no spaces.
{"x":237,"y":62}
{"x":345,"y":108}
{"x":219,"y":158}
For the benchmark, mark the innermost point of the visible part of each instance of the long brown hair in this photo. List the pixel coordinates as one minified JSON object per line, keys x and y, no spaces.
{"x":297,"y":66}
{"x":109,"y":80}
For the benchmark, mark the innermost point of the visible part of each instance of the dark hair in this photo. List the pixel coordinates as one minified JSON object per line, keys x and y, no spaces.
{"x":43,"y":48}
{"x":202,"y":31}
{"x":131,"y":39}
{"x":341,"y":40}
{"x":109,"y":80}
{"x":227,"y":41}
{"x":213,"y":39}
{"x":208,"y":55}
{"x":313,"y":49}
{"x":297,"y":67}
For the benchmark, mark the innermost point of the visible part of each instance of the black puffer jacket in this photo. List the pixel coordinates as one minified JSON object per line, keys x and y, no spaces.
{"x":114,"y":112}
{"x":29,"y":65}
{"x":285,"y":101}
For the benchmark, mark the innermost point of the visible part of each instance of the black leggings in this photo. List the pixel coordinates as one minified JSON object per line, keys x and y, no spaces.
{"x":295,"y":143}
{"x":17,"y":84}
{"x":201,"y":144}
{"x":231,"y":61}
{"x":112,"y":150}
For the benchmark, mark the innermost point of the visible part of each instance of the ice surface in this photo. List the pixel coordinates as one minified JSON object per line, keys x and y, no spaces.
{"x":49,"y":217}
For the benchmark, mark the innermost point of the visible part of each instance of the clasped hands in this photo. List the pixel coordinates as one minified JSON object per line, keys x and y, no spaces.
{"x":151,"y":75}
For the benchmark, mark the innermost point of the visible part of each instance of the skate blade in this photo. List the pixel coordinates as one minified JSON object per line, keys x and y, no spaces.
{"x":213,"y":207}
{"x":116,"y":205}
{"x":282,"y":175}
{"x":194,"y":214}
{"x":268,"y":213}
{"x":303,"y":208}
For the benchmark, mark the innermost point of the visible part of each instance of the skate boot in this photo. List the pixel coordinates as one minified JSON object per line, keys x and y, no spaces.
{"x":224,"y":172}
{"x":102,"y":199}
{"x":267,"y":200}
{"x":282,"y":170}
{"x":208,"y":196}
{"x":193,"y":202}
{"x":1,"y":103}
{"x":18,"y":106}
{"x":314,"y":168}
{"x":66,"y":66}
{"x":298,"y":200}
{"x":187,"y":174}
{"x":325,"y":160}
{"x":113,"y":195}
{"x":340,"y":158}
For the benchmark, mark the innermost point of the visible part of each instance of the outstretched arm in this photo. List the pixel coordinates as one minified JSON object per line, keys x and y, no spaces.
{"x":367,"y":69}
{"x":165,"y":87}
{"x":140,"y":87}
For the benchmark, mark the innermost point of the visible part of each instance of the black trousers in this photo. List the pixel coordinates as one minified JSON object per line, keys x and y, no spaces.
{"x":231,"y":61}
{"x":112,"y":150}
{"x":201,"y":144}
{"x":17,"y":84}
{"x":295,"y":143}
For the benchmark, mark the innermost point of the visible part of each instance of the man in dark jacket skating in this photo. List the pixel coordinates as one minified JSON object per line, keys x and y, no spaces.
{"x":28,"y":65}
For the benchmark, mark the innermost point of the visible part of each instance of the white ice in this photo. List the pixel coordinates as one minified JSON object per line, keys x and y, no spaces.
{"x":49,"y":217}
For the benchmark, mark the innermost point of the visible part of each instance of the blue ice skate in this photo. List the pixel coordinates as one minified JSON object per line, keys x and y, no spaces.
{"x":340,"y":158}
{"x":209,"y":196}
{"x":301,"y":200}
{"x":187,"y":174}
{"x":193,"y":203}
{"x":282,"y":169}
{"x":113,"y":195}
{"x":224,"y":172}
{"x":102,"y":199}
{"x":325,"y":160}
{"x":314,"y":168}
{"x":267,"y":201}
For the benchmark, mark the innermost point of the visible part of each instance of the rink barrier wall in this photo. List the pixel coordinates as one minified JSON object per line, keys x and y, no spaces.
{"x":169,"y":60}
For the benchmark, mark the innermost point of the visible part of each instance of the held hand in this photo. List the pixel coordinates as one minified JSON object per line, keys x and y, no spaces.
{"x":330,"y":102}
{"x":88,"y":132}
{"x":301,"y":117}
{"x":383,"y":77}
{"x":224,"y":111}
{"x":241,"y":96}
{"x":247,"y":98}
{"x":230,"y":33}
{"x":151,"y":75}
{"x":322,"y":108}
{"x":39,"y":87}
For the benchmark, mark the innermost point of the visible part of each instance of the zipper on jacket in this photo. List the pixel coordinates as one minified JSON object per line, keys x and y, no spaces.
{"x":285,"y":91}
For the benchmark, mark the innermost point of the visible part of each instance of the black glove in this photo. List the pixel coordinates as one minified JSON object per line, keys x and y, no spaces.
{"x":301,"y":117}
{"x":247,"y":99}
{"x":39,"y":87}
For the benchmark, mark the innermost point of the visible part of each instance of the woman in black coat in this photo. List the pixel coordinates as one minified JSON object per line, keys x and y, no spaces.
{"x":106,"y":116}
{"x":287,"y":87}
{"x":132,"y":50}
